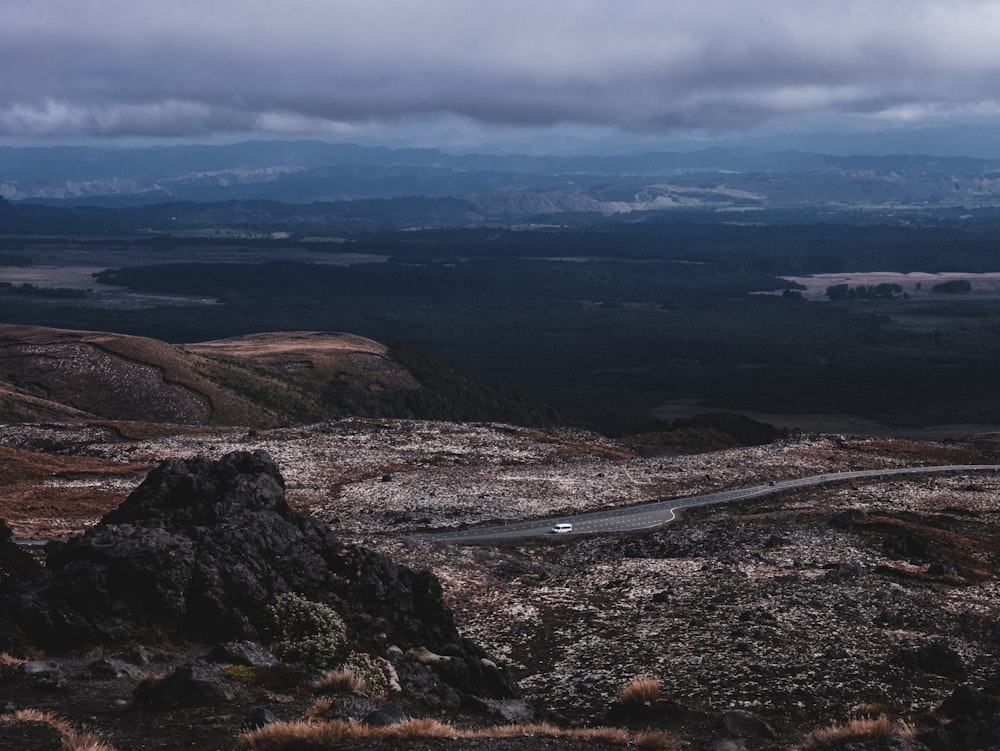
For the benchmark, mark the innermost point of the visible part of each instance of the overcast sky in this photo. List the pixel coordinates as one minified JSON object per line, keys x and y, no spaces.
{"x":207,"y":70}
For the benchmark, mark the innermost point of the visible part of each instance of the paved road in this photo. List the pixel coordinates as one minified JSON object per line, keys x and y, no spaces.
{"x":658,"y":513}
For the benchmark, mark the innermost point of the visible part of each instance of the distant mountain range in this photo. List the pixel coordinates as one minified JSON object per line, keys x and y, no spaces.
{"x":442,"y":189}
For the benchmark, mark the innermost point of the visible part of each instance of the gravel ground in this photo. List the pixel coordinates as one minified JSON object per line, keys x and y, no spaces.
{"x":801,"y":608}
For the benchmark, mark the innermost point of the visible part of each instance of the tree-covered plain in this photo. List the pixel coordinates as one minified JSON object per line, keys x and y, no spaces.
{"x":606,"y":322}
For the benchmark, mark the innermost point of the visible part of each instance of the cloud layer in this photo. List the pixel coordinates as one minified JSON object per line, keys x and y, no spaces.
{"x":193,"y":68}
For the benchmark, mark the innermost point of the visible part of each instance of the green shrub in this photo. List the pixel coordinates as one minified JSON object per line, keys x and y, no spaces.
{"x":369,"y":672}
{"x":306,"y":631}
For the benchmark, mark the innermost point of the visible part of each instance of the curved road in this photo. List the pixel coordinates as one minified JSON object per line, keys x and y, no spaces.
{"x":658,"y":513}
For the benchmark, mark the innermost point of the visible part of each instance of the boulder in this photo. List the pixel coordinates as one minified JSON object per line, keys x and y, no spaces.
{"x":745,"y":724}
{"x":46,"y":673}
{"x":974,"y":721}
{"x":934,"y":656}
{"x":968,"y":701}
{"x":246,"y":653}
{"x":201,"y":549}
{"x":109,"y":667}
{"x":259,"y":717}
{"x":385,"y":716}
{"x":513,"y":711}
{"x":908,"y":544}
{"x":191,"y":685}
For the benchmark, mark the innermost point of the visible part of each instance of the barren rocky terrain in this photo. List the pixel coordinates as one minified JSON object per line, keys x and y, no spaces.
{"x":825,"y":605}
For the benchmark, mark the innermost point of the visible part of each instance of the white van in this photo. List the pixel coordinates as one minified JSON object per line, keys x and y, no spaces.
{"x":562,"y":528}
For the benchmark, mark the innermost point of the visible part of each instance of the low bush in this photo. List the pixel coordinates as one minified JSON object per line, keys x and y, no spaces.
{"x":640,"y":690}
{"x":340,"y":680}
{"x":306,"y":631}
{"x":369,"y":672}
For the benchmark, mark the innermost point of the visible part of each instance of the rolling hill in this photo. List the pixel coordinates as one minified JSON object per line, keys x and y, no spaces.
{"x":260,"y":380}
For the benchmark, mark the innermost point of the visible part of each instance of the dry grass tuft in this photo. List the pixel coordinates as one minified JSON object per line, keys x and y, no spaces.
{"x":318,"y":710}
{"x":45,"y":718}
{"x":8,"y":660}
{"x":606,"y":735}
{"x":651,"y":740}
{"x":335,"y":733}
{"x":858,"y":729}
{"x":640,"y":690}
{"x":72,"y":739}
{"x":340,"y":680}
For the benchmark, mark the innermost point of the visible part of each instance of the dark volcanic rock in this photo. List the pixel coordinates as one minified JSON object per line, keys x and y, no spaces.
{"x":974,"y":722}
{"x":968,"y":701}
{"x":48,"y":673}
{"x":109,"y":667}
{"x":386,"y":716}
{"x":744,"y":724}
{"x":246,"y":653}
{"x":840,"y":573}
{"x":259,"y":717}
{"x":17,"y":568}
{"x":510,"y":710}
{"x":188,"y":686}
{"x":907,"y":544}
{"x":201,"y":548}
{"x":933,"y":656}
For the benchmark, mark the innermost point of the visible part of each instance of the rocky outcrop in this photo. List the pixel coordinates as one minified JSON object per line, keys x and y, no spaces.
{"x":972,"y":721}
{"x":201,"y":548}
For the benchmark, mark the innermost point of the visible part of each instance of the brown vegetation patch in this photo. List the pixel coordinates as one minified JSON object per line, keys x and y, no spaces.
{"x":312,"y":355}
{"x":21,"y":466}
{"x":30,"y":730}
{"x":946,"y":540}
{"x":333,"y":734}
{"x":856,"y":730}
{"x":640,"y":690}
{"x":289,"y":344}
{"x":55,"y":513}
{"x":46,"y":496}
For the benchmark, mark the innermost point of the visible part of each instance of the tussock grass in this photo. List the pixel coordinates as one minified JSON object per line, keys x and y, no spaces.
{"x":640,"y":690}
{"x":340,"y":733}
{"x":336,"y":733}
{"x":318,"y":710}
{"x":72,"y":739}
{"x":8,"y":660}
{"x":861,"y":728}
{"x":344,"y":680}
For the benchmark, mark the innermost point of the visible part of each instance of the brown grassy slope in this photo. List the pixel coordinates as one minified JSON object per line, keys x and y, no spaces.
{"x":312,"y":358}
{"x":311,"y":354}
{"x":47,"y":496}
{"x":17,"y":406}
{"x":260,"y":380}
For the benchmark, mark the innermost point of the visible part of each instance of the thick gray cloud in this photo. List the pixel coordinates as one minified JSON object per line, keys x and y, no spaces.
{"x":197,"y":67}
